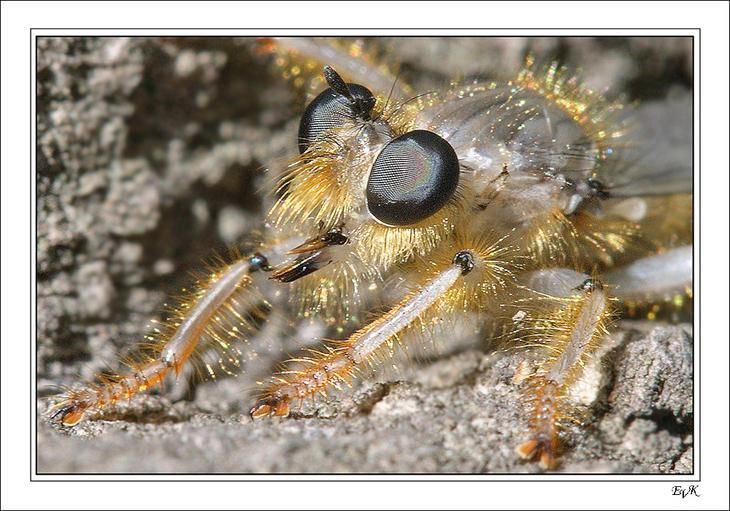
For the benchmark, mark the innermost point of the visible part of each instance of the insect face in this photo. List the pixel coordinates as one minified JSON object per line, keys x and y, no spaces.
{"x":390,"y":189}
{"x":413,"y":175}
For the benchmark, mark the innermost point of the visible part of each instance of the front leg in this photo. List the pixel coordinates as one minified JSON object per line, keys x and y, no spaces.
{"x":338,"y":364}
{"x":221,"y":310}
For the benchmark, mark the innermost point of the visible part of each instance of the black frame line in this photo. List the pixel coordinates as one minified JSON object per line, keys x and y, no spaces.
{"x":394,"y":476}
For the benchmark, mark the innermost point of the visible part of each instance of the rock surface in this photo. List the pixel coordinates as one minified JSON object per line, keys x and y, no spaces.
{"x":150,"y":153}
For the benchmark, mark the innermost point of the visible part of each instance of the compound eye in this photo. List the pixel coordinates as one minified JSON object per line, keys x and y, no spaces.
{"x":412,"y":178}
{"x":331,"y":110}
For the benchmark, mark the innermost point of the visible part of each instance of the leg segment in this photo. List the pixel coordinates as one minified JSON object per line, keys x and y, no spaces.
{"x":308,"y":55}
{"x":226,"y":289}
{"x":219,"y":313}
{"x":654,"y":277}
{"x":338,"y":365}
{"x":571,"y":333}
{"x":655,"y":286}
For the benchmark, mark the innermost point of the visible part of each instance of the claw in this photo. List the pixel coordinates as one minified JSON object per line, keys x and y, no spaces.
{"x":532,"y":448}
{"x":68,"y":414}
{"x":268,"y":407}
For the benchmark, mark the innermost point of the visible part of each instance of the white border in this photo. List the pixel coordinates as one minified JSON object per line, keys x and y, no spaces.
{"x":356,"y":477}
{"x":19,"y":493}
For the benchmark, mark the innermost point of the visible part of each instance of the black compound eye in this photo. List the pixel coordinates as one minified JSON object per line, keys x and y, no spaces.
{"x":331,"y":109}
{"x":412,"y":178}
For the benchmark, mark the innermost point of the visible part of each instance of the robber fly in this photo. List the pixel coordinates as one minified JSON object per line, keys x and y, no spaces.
{"x":513,"y":202}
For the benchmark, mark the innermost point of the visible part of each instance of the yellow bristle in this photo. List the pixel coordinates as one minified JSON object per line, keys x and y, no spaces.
{"x":496,"y":262}
{"x":313,"y":191}
{"x":551,"y":240}
{"x":333,"y":293}
{"x":594,"y":113}
{"x":607,"y":241}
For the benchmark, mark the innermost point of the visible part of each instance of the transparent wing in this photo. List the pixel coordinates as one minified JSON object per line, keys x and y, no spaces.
{"x":657,"y":159}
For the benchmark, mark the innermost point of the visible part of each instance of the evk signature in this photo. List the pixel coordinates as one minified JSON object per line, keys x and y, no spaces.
{"x":692,"y":489}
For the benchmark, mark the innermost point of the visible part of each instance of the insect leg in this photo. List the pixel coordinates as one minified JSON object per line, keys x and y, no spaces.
{"x":310,"y":54}
{"x":655,"y":277}
{"x":571,"y":334}
{"x":339,"y":364}
{"x":226,"y":293}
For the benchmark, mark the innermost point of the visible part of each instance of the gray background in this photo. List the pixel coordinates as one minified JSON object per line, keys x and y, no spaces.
{"x":150,"y":155}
